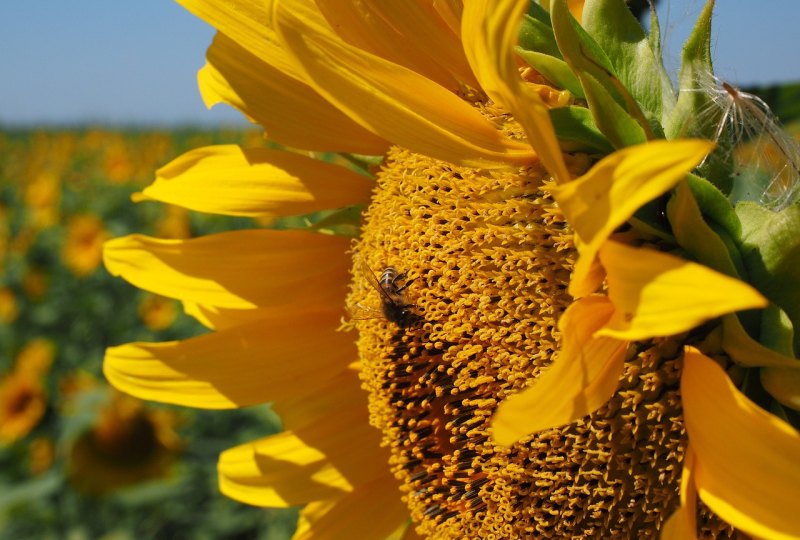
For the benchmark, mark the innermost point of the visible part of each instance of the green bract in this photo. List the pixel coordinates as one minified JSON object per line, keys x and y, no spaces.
{"x":622,"y":97}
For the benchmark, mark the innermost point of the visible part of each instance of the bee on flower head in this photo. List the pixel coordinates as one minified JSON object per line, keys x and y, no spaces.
{"x":391,"y":287}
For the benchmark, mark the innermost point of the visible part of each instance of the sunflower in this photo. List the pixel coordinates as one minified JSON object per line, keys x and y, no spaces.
{"x":23,"y":402}
{"x":82,"y":250}
{"x":559,"y":312}
{"x":126,"y":443}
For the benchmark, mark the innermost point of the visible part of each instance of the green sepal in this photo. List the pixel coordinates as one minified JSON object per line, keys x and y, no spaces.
{"x":343,"y":222}
{"x":580,"y":51}
{"x":553,"y":69}
{"x":363,"y":162}
{"x":624,"y":41}
{"x":615,"y":111}
{"x":695,"y":236}
{"x":695,"y":65}
{"x":620,"y":128}
{"x":536,"y":32}
{"x":695,"y":114}
{"x":576,"y":131}
{"x":770,"y":248}
{"x":340,"y":222}
{"x":715,"y":207}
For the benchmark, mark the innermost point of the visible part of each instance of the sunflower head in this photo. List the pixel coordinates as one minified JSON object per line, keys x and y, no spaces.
{"x":23,"y":403}
{"x":83,"y":246}
{"x":541,"y":279}
{"x":126,"y":443}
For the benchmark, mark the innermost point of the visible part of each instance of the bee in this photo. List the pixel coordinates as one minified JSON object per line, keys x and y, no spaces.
{"x":391,"y":287}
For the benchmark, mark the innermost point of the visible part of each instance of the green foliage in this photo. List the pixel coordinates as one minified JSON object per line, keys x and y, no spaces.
{"x":771,"y":251}
{"x":577,"y":132}
{"x":46,"y":180}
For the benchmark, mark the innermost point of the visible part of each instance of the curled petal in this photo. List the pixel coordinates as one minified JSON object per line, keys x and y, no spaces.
{"x":390,"y":100}
{"x":747,"y":468}
{"x":656,"y":294}
{"x":409,"y":33}
{"x":581,"y":379}
{"x":489,"y":34}
{"x":608,"y":195}
{"x":292,"y":112}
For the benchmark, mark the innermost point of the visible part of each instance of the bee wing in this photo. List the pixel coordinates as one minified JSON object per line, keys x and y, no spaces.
{"x":373,"y":280}
{"x":361,"y":312}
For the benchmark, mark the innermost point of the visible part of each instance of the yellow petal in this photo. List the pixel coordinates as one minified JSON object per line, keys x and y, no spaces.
{"x":450,"y":11}
{"x":783,"y":384}
{"x":249,"y":24}
{"x":489,"y":34}
{"x":682,"y":524}
{"x":292,"y":113}
{"x":388,"y":99}
{"x":306,"y":405}
{"x":239,"y":270}
{"x":747,"y":351}
{"x":327,"y":459}
{"x":268,"y":360}
{"x":228,"y":179}
{"x":581,"y":379}
{"x":216,"y":318}
{"x":408,"y":33}
{"x":608,"y":195}
{"x":375,"y":509}
{"x":747,"y":468}
{"x":656,"y":294}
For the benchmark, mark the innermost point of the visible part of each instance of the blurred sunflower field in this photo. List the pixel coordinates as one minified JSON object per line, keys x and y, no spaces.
{"x":78,"y":459}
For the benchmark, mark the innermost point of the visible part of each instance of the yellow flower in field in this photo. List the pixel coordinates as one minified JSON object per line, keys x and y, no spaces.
{"x":22,"y":405}
{"x":127,"y":443}
{"x":586,"y":287}
{"x":42,"y":196}
{"x":35,"y":283}
{"x":42,"y":452}
{"x":157,"y":312}
{"x":9,"y":308}
{"x":36,"y":357}
{"x":174,"y":224}
{"x":83,"y":247}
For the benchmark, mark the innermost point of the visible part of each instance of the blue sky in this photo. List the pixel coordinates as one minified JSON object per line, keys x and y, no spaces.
{"x":134,"y":62}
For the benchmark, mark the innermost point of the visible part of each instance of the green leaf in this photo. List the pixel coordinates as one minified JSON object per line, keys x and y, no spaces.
{"x":770,"y":247}
{"x":27,"y":492}
{"x":536,"y":32}
{"x":576,"y":131}
{"x":553,"y":69}
{"x":640,"y":70}
{"x":777,"y":331}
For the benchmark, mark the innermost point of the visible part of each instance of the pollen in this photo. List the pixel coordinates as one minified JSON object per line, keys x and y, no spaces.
{"x":489,"y":257}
